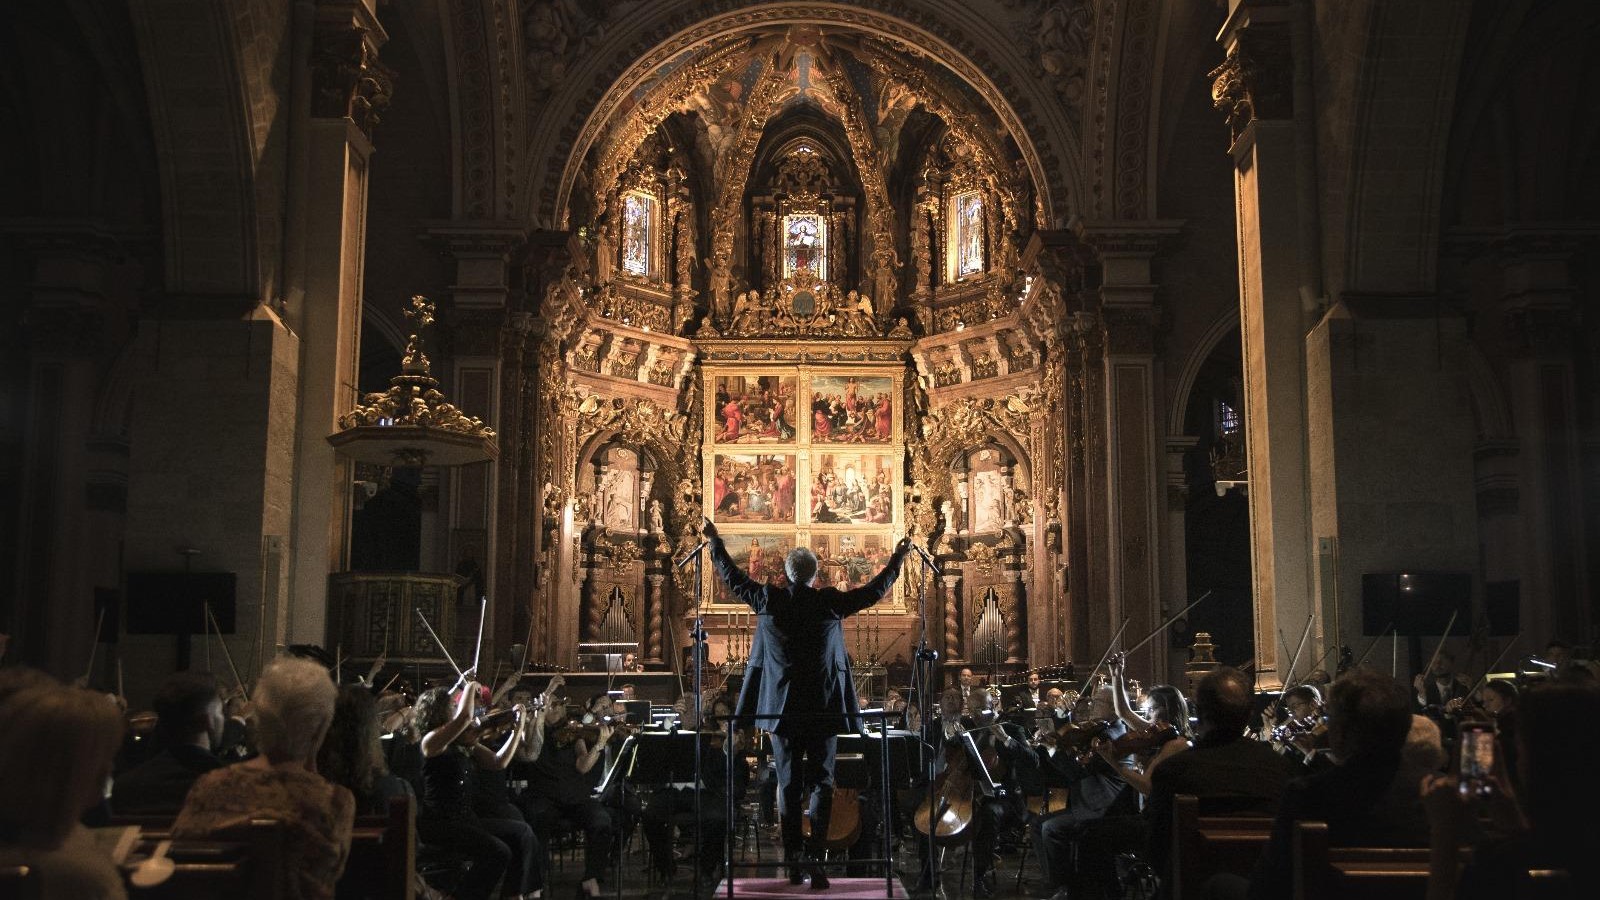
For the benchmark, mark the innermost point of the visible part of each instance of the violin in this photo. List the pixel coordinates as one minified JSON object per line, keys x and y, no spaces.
{"x":1144,"y":741}
{"x":590,"y":731}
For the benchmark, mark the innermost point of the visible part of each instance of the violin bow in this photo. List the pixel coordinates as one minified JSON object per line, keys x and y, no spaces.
{"x":1434,"y":659}
{"x":1088,"y":681}
{"x":237,"y":681}
{"x":94,"y":648}
{"x":1482,"y":680}
{"x":440,"y":644}
{"x":1370,"y":647}
{"x":1167,"y":624}
{"x":483,"y":613}
{"x":1294,"y":660}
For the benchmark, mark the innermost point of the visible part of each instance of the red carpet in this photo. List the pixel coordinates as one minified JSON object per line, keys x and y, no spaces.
{"x":838,"y":889}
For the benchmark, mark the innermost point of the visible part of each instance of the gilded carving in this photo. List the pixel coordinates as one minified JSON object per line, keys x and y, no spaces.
{"x":1254,"y":81}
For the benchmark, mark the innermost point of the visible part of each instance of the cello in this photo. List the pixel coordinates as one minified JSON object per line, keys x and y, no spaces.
{"x":948,"y":820}
{"x":844,"y":814}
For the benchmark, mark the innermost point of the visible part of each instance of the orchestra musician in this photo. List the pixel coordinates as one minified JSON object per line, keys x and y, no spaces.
{"x":560,"y":786}
{"x":1095,"y":789}
{"x":798,"y":667}
{"x":1441,"y":692}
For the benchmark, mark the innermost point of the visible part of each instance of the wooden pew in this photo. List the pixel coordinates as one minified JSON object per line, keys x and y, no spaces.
{"x":1203,"y":846}
{"x":1370,"y":873}
{"x":244,"y":864}
{"x":382,"y":855}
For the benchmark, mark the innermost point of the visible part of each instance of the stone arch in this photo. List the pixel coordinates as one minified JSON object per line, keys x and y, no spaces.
{"x":1049,"y":148}
{"x":219,"y":135}
{"x":1178,"y":408}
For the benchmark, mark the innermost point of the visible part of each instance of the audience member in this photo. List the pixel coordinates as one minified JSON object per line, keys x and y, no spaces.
{"x":188,"y":728}
{"x":352,"y":753}
{"x":56,"y":751}
{"x":1365,"y":798}
{"x":292,"y":709}
{"x":1548,"y":823}
{"x":1230,"y":773}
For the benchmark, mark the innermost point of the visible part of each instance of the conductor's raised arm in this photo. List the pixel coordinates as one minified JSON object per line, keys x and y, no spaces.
{"x":854,"y":601}
{"x":747,"y":589}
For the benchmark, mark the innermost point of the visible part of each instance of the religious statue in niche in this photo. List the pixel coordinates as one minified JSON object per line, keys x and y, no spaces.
{"x":851,"y":410}
{"x":754,"y":488}
{"x":658,"y":525}
{"x":969,"y":234}
{"x":852,"y":489}
{"x":617,"y":491}
{"x":990,"y":492}
{"x":637,"y":233}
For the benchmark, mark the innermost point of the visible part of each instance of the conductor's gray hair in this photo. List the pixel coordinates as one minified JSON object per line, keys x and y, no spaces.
{"x":293,"y":708}
{"x":800,"y":565}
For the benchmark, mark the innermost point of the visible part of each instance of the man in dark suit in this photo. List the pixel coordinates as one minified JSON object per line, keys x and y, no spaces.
{"x":189,"y":726}
{"x":798,"y":669}
{"x":1230,"y":773}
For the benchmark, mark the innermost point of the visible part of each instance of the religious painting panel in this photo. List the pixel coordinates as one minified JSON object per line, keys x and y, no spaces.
{"x":759,"y":555}
{"x":852,"y":488}
{"x":752,"y":487}
{"x":753,"y":409}
{"x":850,"y":559}
{"x":638,"y":233}
{"x":850,"y":409}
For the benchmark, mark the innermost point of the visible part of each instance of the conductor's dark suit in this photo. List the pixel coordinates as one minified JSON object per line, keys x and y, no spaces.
{"x":798,"y":666}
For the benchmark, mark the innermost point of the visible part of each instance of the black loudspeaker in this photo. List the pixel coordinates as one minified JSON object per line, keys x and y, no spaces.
{"x":175,"y":602}
{"x":1502,"y":601}
{"x":1416,"y":603}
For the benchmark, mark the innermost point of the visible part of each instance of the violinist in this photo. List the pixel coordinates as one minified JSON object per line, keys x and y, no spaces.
{"x":1441,"y":692}
{"x":1304,"y":736}
{"x":557,"y":789}
{"x":1164,"y":733}
{"x":1095,"y":789}
{"x":447,"y":818}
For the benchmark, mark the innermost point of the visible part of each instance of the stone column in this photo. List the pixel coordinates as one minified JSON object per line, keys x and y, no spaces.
{"x":1175,"y":556}
{"x":489,"y":338}
{"x":348,"y":87}
{"x":72,"y":494}
{"x":1540,"y":309}
{"x":1135,"y":474}
{"x":1254,"y":88}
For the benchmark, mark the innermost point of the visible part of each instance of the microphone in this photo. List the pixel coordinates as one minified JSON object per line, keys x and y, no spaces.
{"x":927,"y":558}
{"x":692,"y":554}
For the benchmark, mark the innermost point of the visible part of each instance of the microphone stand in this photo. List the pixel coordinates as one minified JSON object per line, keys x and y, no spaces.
{"x":697,"y":634}
{"x":922,"y":680}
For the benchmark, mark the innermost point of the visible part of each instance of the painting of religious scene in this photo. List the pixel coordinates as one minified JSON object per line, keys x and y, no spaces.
{"x":759,"y":555}
{"x":753,"y":488}
{"x":846,"y":409}
{"x":852,"y":489}
{"x":754,"y":409}
{"x":848,"y":561}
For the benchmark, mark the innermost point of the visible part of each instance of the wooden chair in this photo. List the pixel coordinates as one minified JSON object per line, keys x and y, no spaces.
{"x":1203,"y":846}
{"x":383,"y":857}
{"x":1371,"y":873}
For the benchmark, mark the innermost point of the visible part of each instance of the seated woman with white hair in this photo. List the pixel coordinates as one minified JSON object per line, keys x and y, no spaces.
{"x":293,"y":707}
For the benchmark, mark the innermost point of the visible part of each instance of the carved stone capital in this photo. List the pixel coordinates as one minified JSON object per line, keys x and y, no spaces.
{"x":1256,"y":79}
{"x":347,"y":80}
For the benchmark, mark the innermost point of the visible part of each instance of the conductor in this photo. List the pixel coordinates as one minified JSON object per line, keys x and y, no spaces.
{"x":797,"y":669}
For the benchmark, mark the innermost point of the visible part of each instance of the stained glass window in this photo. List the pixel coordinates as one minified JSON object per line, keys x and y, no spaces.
{"x":805,"y":245}
{"x":968,"y":243}
{"x":638,"y":224}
